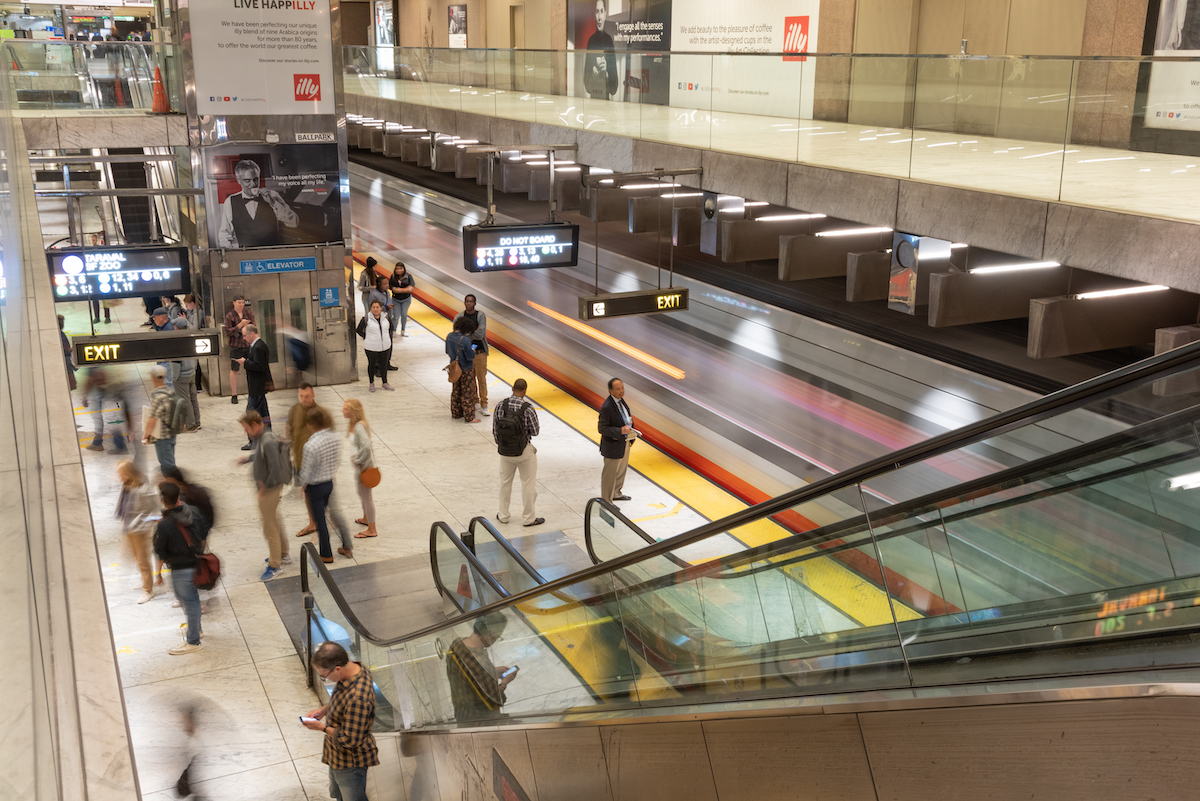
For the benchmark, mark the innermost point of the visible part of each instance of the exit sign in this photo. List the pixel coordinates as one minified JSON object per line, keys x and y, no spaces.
{"x":154,"y":346}
{"x":623,"y":304}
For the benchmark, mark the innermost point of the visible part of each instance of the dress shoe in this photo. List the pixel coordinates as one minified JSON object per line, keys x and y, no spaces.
{"x":536,"y":522}
{"x":327,"y":559}
{"x":346,"y":552}
{"x":249,"y":446}
{"x":233,"y":400}
{"x":622,"y":498}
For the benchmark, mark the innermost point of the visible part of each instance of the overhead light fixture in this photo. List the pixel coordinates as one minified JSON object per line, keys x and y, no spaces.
{"x":757,"y":203}
{"x":782,"y":217}
{"x":1130,"y":290}
{"x":1189,"y":481}
{"x":957,"y":245}
{"x":647,"y":186}
{"x":855,"y":231}
{"x":682,"y":194}
{"x":1012,"y":268}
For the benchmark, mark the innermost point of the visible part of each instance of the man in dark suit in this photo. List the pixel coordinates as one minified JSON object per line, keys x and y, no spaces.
{"x":616,"y":439}
{"x":257,"y":362}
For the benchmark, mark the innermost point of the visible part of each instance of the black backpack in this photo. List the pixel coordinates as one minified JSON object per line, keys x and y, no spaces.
{"x":511,"y":437}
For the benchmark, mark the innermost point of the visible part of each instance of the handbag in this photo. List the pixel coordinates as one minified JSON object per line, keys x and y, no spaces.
{"x":370,"y":477}
{"x":454,"y":370}
{"x":208,"y":566}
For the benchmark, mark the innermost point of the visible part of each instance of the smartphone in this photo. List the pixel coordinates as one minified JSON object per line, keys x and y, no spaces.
{"x":508,"y":672}
{"x":304,"y":719}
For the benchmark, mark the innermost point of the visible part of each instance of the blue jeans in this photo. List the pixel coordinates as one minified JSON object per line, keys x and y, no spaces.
{"x":165,"y":450}
{"x":399,"y":313}
{"x":318,"y":500}
{"x":348,"y":784}
{"x":189,"y":600}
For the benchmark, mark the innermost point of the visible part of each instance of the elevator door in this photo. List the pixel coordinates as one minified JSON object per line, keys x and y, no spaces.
{"x":292,"y":318}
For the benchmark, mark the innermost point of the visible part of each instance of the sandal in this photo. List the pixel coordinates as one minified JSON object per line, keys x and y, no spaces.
{"x":363,"y":535}
{"x":362,"y":521}
{"x":304,"y":532}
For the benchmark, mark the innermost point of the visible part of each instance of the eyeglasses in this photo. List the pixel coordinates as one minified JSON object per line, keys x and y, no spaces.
{"x":327,"y":675}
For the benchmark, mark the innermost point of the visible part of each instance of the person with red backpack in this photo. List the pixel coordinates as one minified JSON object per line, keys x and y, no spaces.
{"x":179,"y":539}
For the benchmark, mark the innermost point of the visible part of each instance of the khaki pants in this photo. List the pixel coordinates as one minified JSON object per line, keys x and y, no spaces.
{"x":139,"y":541}
{"x":480,"y":368}
{"x":612,"y":478}
{"x":268,"y":507}
{"x":526,"y":463}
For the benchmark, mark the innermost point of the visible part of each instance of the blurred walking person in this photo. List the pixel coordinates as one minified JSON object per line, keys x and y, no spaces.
{"x":321,"y":456}
{"x":178,"y":539}
{"x":272,"y":473}
{"x":363,"y":459}
{"x":139,"y":511}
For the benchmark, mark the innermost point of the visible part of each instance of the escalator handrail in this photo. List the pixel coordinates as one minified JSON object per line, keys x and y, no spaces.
{"x":472,"y":560}
{"x":1094,"y":389}
{"x":610,"y":508}
{"x":506,"y":545}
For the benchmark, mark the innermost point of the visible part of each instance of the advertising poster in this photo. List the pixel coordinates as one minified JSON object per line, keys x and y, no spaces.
{"x":627,"y":38}
{"x":262,"y":57}
{"x":1173,"y":100}
{"x":458,"y":26}
{"x":268,"y":195}
{"x":384,"y":58}
{"x":768,"y":85}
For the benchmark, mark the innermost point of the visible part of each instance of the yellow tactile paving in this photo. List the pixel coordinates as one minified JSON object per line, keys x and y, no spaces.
{"x":828,"y":578}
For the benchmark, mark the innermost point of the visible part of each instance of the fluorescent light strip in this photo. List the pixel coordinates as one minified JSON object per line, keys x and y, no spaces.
{"x":682,"y":194}
{"x":855,"y":231}
{"x":1112,"y":293}
{"x":1115,"y":158}
{"x":1011,"y":268}
{"x":958,"y":245}
{"x":757,"y":203}
{"x":647,"y":186}
{"x":1189,"y":481}
{"x":782,"y":217}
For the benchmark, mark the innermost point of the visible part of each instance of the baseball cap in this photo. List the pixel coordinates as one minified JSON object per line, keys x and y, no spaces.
{"x":160,"y":310}
{"x":158,"y":371}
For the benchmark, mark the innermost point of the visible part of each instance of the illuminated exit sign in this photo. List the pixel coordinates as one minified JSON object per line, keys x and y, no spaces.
{"x":153,"y":346}
{"x":623,"y":304}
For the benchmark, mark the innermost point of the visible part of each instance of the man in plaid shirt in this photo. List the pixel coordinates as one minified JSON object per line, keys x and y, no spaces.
{"x":349,"y":745}
{"x":514,"y":425}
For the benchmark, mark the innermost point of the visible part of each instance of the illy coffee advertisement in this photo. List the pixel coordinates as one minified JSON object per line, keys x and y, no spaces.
{"x":268,"y":195}
{"x":458,"y":26}
{"x":626,"y":41}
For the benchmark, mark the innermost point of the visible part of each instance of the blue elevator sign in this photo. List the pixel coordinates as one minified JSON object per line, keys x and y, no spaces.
{"x":262,"y":266}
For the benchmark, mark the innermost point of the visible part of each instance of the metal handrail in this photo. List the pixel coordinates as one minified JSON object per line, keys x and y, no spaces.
{"x":506,"y":545}
{"x":472,"y":560}
{"x":1100,"y":387}
{"x":611,"y":508}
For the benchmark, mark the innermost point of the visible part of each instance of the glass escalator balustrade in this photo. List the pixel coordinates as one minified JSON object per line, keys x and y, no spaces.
{"x":1056,"y":539}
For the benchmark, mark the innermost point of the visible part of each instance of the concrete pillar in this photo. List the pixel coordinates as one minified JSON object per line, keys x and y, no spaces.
{"x":1166,"y":339}
{"x":804,"y":256}
{"x":1064,"y":326}
{"x":756,"y":240}
{"x":867,"y":275}
{"x":959,"y":298}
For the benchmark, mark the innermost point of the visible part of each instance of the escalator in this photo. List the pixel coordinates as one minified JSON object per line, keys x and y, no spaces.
{"x":1059,"y":539}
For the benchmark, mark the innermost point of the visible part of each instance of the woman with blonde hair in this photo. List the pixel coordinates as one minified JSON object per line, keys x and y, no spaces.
{"x":139,"y":510}
{"x":363,"y":459}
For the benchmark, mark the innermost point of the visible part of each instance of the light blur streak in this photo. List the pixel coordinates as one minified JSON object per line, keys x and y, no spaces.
{"x":612,"y":342}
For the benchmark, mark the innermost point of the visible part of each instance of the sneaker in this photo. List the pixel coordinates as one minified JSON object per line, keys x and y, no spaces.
{"x":371,"y":388}
{"x":185,"y":648}
{"x":270,"y":573}
{"x":249,"y":446}
{"x":389,"y":387}
{"x":501,"y":519}
{"x":145,"y":597}
{"x":95,"y":446}
{"x":286,"y":559}
{"x":175,"y":604}
{"x":537,"y":522}
{"x":484,"y":411}
{"x":120,"y":450}
{"x":233,"y":400}
{"x":403,"y":333}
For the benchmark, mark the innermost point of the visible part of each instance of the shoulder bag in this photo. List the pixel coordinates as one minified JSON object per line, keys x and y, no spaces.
{"x":208,"y":566}
{"x":454,"y":370}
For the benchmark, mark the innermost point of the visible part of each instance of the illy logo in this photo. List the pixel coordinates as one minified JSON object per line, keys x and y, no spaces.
{"x":308,"y":87}
{"x":795,"y":37}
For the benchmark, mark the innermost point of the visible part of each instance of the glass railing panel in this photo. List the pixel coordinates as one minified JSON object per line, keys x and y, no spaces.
{"x":463,"y":581}
{"x":609,"y":536}
{"x":499,"y":561}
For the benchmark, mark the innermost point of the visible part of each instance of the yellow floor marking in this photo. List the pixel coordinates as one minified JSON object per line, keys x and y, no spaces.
{"x":678,"y":508}
{"x":657,"y":505}
{"x":125,"y":649}
{"x":828,"y":578}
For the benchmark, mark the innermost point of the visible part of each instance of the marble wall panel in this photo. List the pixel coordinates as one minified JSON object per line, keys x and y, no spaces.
{"x":458,"y":773}
{"x":441,"y":120}
{"x":474,"y":126}
{"x":664,"y":761}
{"x":540,"y":133}
{"x":651,"y":155}
{"x":755,"y":758}
{"x":41,"y":133}
{"x":866,"y":199}
{"x":998,"y":222}
{"x":514,"y":751}
{"x":415,"y":115}
{"x":509,"y":132}
{"x":177,"y":130}
{"x":569,"y":763}
{"x":604,"y":150}
{"x":753,"y":178}
{"x":1139,"y":248}
{"x":1077,"y":751}
{"x":89,"y":132}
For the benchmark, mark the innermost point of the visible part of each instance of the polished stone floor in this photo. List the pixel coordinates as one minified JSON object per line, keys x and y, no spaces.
{"x":248,"y":682}
{"x":1151,"y":184}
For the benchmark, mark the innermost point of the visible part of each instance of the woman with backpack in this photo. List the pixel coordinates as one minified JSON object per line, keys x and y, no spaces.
{"x":462,"y":353}
{"x":376,"y":329}
{"x":363,"y":458}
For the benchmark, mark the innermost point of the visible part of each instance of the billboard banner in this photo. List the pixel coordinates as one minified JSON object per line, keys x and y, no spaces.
{"x":625,"y":39}
{"x":270,"y":195}
{"x":261,"y":57}
{"x":458,"y":26}
{"x":1173,"y":99}
{"x":769,"y":85}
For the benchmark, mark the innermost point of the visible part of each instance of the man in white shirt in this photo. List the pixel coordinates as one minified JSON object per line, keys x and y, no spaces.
{"x":251,"y":218}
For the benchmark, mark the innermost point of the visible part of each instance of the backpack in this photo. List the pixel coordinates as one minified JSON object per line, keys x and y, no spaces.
{"x":285,"y":464}
{"x":177,"y":415}
{"x":511,"y":437}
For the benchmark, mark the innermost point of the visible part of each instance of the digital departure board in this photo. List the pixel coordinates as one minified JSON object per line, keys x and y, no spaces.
{"x":146,"y":346}
{"x":121,"y":272}
{"x":623,"y":304}
{"x":520,"y":247}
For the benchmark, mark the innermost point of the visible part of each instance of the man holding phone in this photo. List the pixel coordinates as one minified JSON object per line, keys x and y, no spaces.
{"x":349,"y":745}
{"x":476,"y":685}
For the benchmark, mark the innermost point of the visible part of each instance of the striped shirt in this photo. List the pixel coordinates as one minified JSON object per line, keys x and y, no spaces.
{"x":322,"y":453}
{"x":351,"y":715}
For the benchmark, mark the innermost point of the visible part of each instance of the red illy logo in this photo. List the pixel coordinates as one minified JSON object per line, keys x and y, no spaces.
{"x":795,"y":37}
{"x":308,"y":87}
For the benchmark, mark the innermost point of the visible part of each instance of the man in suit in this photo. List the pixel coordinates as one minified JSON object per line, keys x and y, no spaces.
{"x":616,"y":439}
{"x":257,"y":362}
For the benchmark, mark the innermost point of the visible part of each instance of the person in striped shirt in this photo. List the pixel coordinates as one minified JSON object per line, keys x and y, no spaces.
{"x":322,"y":455}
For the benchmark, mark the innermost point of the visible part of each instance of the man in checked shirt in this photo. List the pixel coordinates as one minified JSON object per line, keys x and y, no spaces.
{"x":349,"y":745}
{"x":320,"y":465}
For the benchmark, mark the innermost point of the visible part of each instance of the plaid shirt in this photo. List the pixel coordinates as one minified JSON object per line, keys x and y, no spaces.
{"x":351,"y":714}
{"x":232,"y":332}
{"x":160,"y":404}
{"x":322,"y":454}
{"x":529,"y":416}
{"x":474,"y":688}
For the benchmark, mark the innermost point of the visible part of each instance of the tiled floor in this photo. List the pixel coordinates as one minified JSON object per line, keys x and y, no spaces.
{"x":1152,"y":184}
{"x":248,"y":681}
